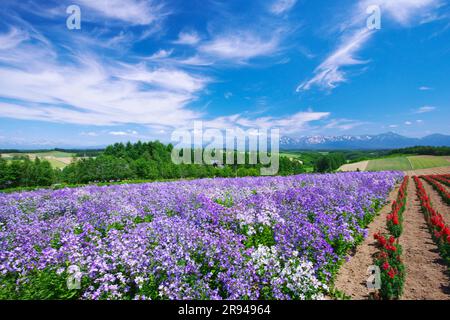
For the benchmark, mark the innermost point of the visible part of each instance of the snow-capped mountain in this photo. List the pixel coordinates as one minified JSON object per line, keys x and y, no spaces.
{"x":388,"y":140}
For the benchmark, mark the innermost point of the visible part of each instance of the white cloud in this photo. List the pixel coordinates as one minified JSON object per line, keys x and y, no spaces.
{"x":343,"y":124}
{"x":135,"y":12}
{"x":90,"y":134}
{"x":419,"y":121}
{"x":425,"y":109}
{"x":123,"y":133}
{"x":161,"y":54}
{"x":329,"y":73}
{"x":408,"y":123}
{"x":240,"y":46}
{"x":282,"y":6}
{"x":402,"y":11}
{"x":425,"y":88}
{"x":173,"y":79}
{"x":12,"y":39}
{"x":393,"y":126}
{"x":187,"y":38}
{"x":228,"y":95}
{"x":87,"y":89}
{"x":288,"y":124}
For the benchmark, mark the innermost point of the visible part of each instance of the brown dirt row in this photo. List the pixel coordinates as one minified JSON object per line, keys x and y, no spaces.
{"x":426,"y":273}
{"x":352,"y":276}
{"x":436,"y":201}
{"x":439,"y":170}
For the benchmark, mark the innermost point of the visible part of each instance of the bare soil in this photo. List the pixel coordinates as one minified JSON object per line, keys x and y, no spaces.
{"x":352,"y":276}
{"x":436,"y":200}
{"x":439,"y":170}
{"x":354,"y":166}
{"x":426,"y":274}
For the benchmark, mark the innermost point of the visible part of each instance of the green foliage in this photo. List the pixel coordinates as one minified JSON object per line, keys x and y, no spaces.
{"x":122,"y":162}
{"x":24,"y":172}
{"x":227,"y":202}
{"x":39,"y":285}
{"x":329,"y":162}
{"x":392,"y":273}
{"x":423,"y":150}
{"x":261,"y":235}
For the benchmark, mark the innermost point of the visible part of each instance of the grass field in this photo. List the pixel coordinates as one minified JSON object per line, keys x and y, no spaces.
{"x":423,"y":162}
{"x":400,"y":163}
{"x":57,"y":159}
{"x":407,"y":163}
{"x":56,"y":154}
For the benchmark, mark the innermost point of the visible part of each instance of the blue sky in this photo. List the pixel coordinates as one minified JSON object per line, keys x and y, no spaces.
{"x":140,"y":69}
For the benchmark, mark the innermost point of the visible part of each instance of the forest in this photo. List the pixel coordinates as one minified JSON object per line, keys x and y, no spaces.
{"x":121,"y":162}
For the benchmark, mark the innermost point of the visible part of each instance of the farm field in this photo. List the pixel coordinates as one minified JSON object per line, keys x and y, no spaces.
{"x":410,"y":243}
{"x":399,"y":163}
{"x":243,"y":238}
{"x":57,"y":159}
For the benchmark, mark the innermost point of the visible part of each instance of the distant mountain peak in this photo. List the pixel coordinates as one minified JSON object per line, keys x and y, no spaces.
{"x":388,"y":140}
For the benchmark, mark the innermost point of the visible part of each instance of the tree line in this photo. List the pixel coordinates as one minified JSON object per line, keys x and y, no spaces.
{"x":423,"y":150}
{"x":329,"y":163}
{"x":22,"y":172}
{"x":130,"y":161}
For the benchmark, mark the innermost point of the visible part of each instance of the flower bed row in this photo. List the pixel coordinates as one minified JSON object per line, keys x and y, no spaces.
{"x":388,"y":259}
{"x":443,"y":178}
{"x":445,"y":195}
{"x":439,"y":230}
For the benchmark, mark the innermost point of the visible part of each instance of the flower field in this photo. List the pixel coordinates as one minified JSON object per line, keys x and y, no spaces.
{"x":437,"y":182}
{"x":436,"y":223}
{"x":247,"y":238}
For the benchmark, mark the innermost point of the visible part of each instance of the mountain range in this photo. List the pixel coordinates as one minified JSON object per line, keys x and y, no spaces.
{"x":388,"y":140}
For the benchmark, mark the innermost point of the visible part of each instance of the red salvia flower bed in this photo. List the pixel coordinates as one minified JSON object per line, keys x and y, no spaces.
{"x":438,"y":187}
{"x":389,"y":258}
{"x":439,"y":230}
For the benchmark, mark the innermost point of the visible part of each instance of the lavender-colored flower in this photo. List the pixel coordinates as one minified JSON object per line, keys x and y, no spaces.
{"x":246,"y":238}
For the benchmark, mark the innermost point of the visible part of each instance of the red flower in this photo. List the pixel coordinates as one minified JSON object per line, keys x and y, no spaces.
{"x":385,"y":266}
{"x":391,"y":240}
{"x":391,"y":273}
{"x":395,"y":220}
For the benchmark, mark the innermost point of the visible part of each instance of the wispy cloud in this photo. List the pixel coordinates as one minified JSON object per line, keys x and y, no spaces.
{"x":425,"y":88}
{"x":12,"y":38}
{"x":123,"y":133}
{"x":289,"y":124}
{"x":240,"y":46}
{"x":188,"y":38}
{"x":425,"y":109}
{"x":403,"y":11}
{"x":343,"y":124}
{"x":135,"y":12}
{"x":282,"y":6}
{"x":36,"y":84}
{"x":330,"y":72}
